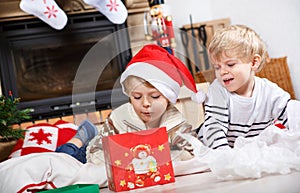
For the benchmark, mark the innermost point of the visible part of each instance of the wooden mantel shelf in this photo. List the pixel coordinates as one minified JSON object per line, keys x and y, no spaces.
{"x":10,"y":11}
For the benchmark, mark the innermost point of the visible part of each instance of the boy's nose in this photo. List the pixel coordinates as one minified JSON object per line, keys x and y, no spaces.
{"x":223,"y":71}
{"x":146,"y":102}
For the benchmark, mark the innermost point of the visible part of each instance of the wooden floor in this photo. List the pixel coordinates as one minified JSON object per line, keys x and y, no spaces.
{"x":97,"y":118}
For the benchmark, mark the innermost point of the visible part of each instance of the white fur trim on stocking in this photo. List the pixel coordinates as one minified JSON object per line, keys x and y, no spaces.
{"x":114,"y":10}
{"x":46,"y":10}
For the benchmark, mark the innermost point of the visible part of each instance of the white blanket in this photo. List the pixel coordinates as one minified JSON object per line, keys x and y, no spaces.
{"x":47,"y":170}
{"x":274,"y":151}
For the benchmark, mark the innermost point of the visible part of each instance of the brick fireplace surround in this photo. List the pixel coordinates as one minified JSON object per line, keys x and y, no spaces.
{"x":10,"y":11}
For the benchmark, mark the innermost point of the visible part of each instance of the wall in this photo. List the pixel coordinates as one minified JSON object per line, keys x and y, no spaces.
{"x":276,"y":21}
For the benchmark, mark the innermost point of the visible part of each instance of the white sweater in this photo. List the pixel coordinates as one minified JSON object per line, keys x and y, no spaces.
{"x":124,"y":119}
{"x":228,"y":115}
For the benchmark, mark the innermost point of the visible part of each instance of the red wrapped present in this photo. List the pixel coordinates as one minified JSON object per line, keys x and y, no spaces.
{"x":138,"y":159}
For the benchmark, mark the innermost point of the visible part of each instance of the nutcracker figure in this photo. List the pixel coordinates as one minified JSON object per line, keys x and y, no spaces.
{"x":162,"y":25}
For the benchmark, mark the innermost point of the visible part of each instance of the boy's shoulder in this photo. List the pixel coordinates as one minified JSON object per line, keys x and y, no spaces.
{"x":266,"y":86}
{"x":122,"y":110}
{"x":265,"y":83}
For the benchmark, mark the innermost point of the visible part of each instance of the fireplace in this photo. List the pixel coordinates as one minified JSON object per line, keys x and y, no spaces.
{"x":56,"y":73}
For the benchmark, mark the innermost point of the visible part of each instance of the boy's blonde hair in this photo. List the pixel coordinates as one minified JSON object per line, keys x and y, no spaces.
{"x":239,"y":41}
{"x":129,"y":85}
{"x":132,"y":81}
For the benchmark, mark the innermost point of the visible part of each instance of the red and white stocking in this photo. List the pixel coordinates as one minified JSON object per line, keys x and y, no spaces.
{"x":46,"y":10}
{"x":114,"y":10}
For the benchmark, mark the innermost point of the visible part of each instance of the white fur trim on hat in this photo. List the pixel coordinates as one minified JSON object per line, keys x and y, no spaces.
{"x":198,"y":97}
{"x":155,"y":76}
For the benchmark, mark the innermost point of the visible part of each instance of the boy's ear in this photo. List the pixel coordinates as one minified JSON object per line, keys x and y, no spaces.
{"x":256,"y":61}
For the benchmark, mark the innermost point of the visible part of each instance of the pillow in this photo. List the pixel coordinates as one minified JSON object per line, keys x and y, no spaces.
{"x":44,"y":137}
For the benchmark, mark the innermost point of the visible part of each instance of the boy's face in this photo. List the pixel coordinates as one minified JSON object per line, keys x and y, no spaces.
{"x":148,"y":103}
{"x":235,"y":75}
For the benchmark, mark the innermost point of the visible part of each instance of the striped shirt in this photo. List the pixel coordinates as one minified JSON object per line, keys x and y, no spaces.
{"x":228,"y":115}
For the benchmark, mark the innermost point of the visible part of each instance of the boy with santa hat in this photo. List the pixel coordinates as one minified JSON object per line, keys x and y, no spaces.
{"x":152,"y":81}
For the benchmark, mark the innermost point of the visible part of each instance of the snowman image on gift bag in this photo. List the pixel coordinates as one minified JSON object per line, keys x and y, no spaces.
{"x":144,"y":165}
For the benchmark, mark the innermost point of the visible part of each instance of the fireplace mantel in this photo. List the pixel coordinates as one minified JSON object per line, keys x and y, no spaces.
{"x":10,"y":11}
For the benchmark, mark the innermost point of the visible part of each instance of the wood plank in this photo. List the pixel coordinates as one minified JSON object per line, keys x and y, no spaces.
{"x":53,"y":120}
{"x":105,"y":114}
{"x":94,"y":117}
{"x":26,"y":124}
{"x":41,"y":121}
{"x":78,"y":118}
{"x":69,"y":118}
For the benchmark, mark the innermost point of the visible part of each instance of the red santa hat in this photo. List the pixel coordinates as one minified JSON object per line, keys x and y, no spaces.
{"x":164,"y":71}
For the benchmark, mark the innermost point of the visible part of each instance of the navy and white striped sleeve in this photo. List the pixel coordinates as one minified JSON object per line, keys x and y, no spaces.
{"x":214,"y":129}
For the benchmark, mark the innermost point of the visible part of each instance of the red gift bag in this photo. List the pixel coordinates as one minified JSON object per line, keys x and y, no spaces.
{"x":138,"y":159}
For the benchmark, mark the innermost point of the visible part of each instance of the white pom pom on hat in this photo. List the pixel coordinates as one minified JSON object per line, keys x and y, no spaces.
{"x":164,"y":71}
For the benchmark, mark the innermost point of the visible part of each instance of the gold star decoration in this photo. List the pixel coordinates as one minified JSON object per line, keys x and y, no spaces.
{"x":161,"y":147}
{"x":122,"y":183}
{"x":126,"y":154}
{"x":167,"y":177}
{"x":118,"y":162}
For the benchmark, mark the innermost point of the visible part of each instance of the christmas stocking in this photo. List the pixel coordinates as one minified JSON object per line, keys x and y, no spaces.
{"x":46,"y":10}
{"x":114,"y":10}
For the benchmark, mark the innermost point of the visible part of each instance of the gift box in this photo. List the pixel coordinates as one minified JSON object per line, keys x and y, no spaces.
{"x":138,"y":159}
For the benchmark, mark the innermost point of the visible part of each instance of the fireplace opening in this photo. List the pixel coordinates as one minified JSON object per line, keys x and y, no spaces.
{"x":40,"y":64}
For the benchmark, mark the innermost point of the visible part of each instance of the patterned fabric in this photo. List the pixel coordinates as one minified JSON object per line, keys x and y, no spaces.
{"x":47,"y":10}
{"x":114,"y":10}
{"x":44,"y":137}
